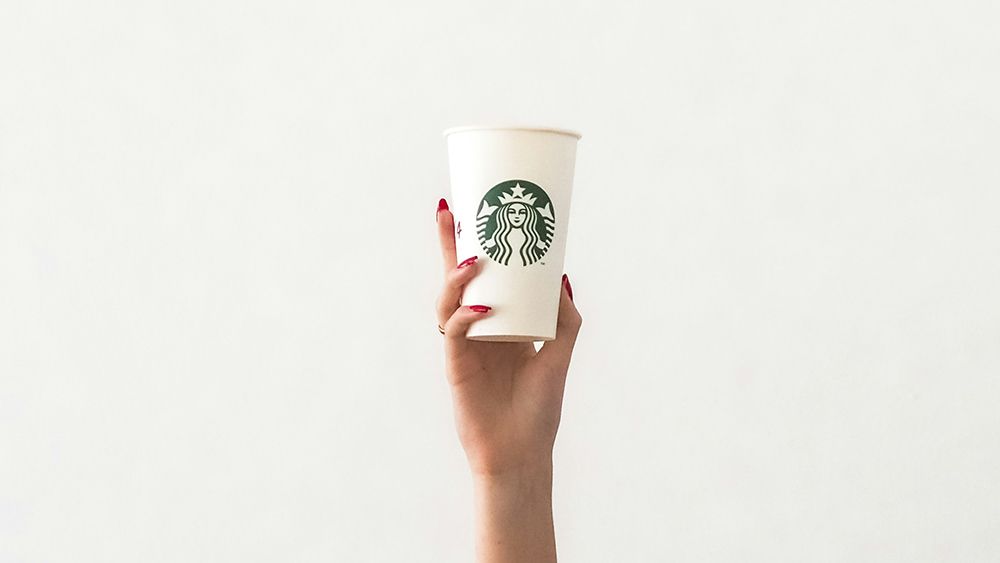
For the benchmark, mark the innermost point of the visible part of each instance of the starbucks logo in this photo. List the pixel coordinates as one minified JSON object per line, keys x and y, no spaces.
{"x":515,"y":219}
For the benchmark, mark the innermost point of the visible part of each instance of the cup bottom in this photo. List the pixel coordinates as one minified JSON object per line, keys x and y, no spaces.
{"x":508,"y":338}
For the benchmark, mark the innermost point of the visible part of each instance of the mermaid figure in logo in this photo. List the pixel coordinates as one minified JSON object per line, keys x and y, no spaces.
{"x":516,"y":220}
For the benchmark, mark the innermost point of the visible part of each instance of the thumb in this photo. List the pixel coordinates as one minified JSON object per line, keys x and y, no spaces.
{"x":556,"y":353}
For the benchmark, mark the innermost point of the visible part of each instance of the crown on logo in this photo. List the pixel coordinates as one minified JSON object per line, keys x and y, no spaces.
{"x":517,"y":197}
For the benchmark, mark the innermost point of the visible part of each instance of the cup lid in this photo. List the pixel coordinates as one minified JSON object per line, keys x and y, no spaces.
{"x":556,"y":130}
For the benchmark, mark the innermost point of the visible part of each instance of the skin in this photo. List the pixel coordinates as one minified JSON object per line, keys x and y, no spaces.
{"x":507,"y":401}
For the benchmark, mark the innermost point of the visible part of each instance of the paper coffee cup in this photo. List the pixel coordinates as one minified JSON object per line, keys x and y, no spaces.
{"x":511,"y":189}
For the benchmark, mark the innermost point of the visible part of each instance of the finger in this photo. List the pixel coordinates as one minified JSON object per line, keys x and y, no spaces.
{"x":556,"y":353}
{"x":446,"y":234}
{"x":454,"y":283}
{"x":458,"y":325}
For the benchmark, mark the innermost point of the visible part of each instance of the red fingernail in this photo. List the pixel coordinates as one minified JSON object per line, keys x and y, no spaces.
{"x":569,"y":288}
{"x":468,"y":261}
{"x":442,"y":205}
{"x":480,"y":308}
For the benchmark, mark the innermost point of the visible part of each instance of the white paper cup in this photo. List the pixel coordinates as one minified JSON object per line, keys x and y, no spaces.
{"x":511,"y":189}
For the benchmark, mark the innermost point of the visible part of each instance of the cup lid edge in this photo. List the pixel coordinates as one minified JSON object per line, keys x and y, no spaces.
{"x":558,"y":130}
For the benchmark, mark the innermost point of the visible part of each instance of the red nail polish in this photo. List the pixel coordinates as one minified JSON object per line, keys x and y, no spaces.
{"x":468,"y":262}
{"x":480,"y":308}
{"x":569,"y":288}
{"x":442,"y":205}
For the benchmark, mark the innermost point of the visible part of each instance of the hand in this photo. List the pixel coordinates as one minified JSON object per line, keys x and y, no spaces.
{"x":507,"y":397}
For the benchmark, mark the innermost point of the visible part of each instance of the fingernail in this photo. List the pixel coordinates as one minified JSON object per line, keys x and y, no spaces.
{"x":468,"y":261}
{"x":480,"y":308}
{"x":569,"y":288}
{"x":442,"y":205}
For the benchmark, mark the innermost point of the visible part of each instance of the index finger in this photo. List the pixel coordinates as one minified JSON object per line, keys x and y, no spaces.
{"x":446,"y":234}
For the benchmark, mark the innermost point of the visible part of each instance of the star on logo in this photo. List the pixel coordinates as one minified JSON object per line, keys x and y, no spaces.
{"x":518,"y":196}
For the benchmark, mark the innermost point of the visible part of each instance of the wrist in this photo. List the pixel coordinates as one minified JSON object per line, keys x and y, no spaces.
{"x":528,"y":485}
{"x":514,"y":515}
{"x":535,"y":464}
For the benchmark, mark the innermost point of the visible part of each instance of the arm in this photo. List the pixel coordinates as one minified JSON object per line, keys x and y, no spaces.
{"x":514,"y":517}
{"x":508,"y":401}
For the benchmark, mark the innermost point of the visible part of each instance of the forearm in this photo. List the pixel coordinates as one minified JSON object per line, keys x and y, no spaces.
{"x":514,"y":517}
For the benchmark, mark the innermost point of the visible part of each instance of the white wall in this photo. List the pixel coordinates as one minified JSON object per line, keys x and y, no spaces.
{"x":218,"y":268}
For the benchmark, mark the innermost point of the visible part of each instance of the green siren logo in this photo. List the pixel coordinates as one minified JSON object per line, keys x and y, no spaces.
{"x":515,"y":218}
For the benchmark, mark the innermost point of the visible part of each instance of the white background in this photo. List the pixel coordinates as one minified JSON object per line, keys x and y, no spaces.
{"x":218,"y":265}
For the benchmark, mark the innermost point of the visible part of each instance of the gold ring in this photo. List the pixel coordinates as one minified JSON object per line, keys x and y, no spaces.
{"x":441,"y":330}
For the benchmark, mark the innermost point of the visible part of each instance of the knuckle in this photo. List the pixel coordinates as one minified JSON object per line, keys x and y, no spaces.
{"x":454,"y":317}
{"x":458,"y":275}
{"x":454,"y":277}
{"x":573,"y":321}
{"x":452,"y":328}
{"x":444,"y":306}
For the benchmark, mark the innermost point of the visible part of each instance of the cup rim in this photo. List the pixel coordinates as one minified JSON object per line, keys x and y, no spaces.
{"x":544,"y":129}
